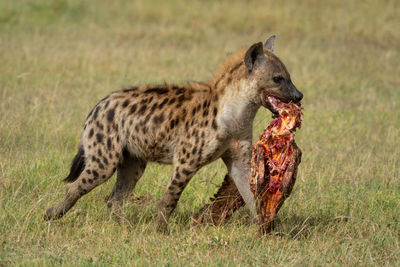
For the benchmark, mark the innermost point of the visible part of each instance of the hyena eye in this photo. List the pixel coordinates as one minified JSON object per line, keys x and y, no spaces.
{"x":277,"y":79}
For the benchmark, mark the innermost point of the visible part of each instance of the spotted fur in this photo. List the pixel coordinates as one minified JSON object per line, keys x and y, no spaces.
{"x":188,"y":126}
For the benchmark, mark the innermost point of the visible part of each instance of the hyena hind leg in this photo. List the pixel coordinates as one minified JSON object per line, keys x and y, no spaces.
{"x":129,"y":171}
{"x":93,"y":174}
{"x":180,"y":178}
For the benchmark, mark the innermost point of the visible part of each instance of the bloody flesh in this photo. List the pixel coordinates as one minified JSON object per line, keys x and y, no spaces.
{"x":274,"y":162}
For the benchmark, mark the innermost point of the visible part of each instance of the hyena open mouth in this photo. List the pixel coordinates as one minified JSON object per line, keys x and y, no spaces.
{"x":275,"y":158}
{"x":271,"y":103}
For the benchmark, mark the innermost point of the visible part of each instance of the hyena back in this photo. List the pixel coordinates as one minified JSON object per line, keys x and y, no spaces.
{"x":188,"y":126}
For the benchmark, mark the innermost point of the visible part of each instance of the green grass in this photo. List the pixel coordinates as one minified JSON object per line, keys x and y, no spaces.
{"x":59,"y":58}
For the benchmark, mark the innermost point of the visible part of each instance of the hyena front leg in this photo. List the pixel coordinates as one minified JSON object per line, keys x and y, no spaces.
{"x":96,"y":171}
{"x":180,"y":178}
{"x":128,"y":173}
{"x":238,"y":161}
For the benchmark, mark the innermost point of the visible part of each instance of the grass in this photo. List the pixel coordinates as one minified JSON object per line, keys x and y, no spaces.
{"x":59,"y":58}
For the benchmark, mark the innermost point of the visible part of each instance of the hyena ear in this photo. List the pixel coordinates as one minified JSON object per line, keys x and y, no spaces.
{"x":254,"y":55}
{"x":270,"y":43}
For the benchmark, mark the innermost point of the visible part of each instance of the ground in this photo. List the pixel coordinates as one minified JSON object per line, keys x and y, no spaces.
{"x":59,"y":58}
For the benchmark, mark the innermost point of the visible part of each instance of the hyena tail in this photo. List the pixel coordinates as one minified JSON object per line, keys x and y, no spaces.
{"x":78,"y":164}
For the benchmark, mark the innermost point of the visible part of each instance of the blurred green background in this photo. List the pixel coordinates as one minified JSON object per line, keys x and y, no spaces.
{"x":59,"y":58}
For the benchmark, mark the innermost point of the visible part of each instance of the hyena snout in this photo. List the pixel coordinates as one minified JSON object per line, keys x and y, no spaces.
{"x":295,"y":95}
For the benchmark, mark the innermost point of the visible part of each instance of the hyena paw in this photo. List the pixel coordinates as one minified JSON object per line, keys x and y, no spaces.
{"x":51,"y":214}
{"x":117,"y":210}
{"x":162,"y":226}
{"x":109,"y":199}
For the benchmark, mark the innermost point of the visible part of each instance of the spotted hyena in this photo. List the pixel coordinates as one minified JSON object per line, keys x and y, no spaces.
{"x":188,"y":126}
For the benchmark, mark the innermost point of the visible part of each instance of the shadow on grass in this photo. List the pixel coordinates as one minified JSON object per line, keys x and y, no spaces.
{"x":295,"y":226}
{"x":143,"y":210}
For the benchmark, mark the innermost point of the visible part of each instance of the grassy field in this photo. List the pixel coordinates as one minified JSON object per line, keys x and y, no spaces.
{"x":59,"y":58}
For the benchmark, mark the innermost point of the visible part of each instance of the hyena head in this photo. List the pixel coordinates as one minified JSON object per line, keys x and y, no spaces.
{"x":270,"y":75}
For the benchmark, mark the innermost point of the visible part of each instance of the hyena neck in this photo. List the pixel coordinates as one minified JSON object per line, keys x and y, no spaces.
{"x":237,"y":109}
{"x":235,"y":94}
